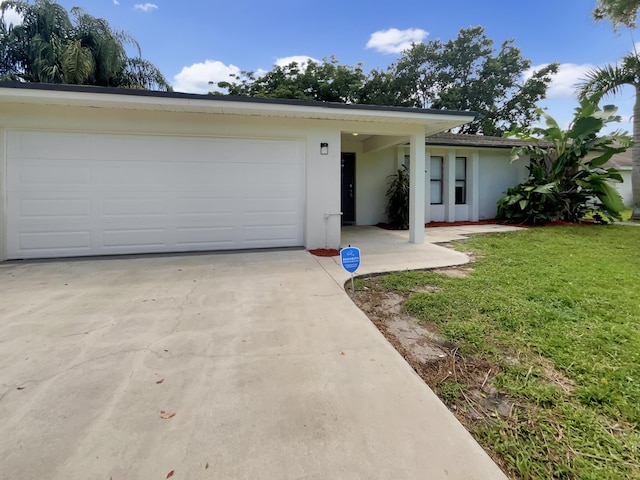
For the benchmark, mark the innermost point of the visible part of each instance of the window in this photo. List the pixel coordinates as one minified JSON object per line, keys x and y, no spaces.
{"x":461,"y":180}
{"x":436,"y":180}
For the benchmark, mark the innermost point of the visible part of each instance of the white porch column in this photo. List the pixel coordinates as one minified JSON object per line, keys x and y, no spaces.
{"x":449,"y":187}
{"x":473,"y":170}
{"x":427,"y":186}
{"x":416,"y":190}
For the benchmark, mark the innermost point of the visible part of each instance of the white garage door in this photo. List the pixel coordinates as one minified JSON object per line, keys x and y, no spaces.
{"x":74,"y":194}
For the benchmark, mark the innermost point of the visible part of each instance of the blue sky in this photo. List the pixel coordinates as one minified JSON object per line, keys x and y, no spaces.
{"x":193,"y":42}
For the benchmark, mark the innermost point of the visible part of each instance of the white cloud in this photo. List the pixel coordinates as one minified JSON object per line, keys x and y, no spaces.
{"x":301,"y":60}
{"x":116,"y":2}
{"x":11,"y":17}
{"x":563,"y":83}
{"x":394,"y":40}
{"x":196,"y":78}
{"x":145,"y":7}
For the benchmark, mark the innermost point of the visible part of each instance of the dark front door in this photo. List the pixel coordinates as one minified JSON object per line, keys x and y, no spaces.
{"x":348,"y":204}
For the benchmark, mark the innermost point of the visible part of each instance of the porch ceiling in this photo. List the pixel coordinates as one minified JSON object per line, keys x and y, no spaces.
{"x":375,"y":141}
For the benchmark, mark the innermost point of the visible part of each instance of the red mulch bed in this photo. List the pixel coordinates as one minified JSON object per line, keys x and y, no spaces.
{"x":491,"y":221}
{"x":325,"y":252}
{"x":388,"y":226}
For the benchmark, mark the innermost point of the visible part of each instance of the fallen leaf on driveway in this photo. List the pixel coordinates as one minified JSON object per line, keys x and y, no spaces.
{"x":160,"y":381}
{"x":166,"y":415}
{"x":170,"y":474}
{"x":20,"y":388}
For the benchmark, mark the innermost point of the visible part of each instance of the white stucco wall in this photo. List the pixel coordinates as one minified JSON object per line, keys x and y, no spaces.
{"x":495,"y":174}
{"x":372,"y":172}
{"x":624,"y":188}
{"x":3,"y":193}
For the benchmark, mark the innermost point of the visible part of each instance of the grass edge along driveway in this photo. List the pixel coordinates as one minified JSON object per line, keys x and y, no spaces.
{"x":555,"y":313}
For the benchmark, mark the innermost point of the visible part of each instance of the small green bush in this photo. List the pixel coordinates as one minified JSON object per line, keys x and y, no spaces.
{"x":398,"y":199}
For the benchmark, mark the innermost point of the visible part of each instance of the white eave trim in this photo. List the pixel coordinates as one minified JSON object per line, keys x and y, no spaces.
{"x":191,"y":105}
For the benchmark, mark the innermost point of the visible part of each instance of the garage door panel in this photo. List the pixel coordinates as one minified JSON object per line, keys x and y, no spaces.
{"x":197,"y":236}
{"x":259,"y":233}
{"x":134,"y":237}
{"x":37,"y":243}
{"x":193,"y":206}
{"x":55,"y":208}
{"x":127,"y":207}
{"x":27,"y":145}
{"x":36,"y":173}
{"x":269,"y":204}
{"x":92,"y":194}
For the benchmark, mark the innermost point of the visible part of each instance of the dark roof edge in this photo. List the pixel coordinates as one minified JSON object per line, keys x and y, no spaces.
{"x":224,"y":98}
{"x":443,"y":143}
{"x":447,"y":139}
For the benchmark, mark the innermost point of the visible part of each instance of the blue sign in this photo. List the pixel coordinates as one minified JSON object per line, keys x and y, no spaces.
{"x":350,"y":257}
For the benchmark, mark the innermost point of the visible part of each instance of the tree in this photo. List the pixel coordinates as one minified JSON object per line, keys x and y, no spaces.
{"x":327,"y":81}
{"x":609,"y":80}
{"x":567,"y":179}
{"x":462,"y":74}
{"x":466,"y":73}
{"x":50,"y":46}
{"x":620,"y":12}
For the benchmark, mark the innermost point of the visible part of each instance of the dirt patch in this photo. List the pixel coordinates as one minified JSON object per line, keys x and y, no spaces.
{"x":436,"y":360}
{"x":454,"y":272}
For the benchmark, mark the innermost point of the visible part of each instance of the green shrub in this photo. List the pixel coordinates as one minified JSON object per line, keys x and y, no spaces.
{"x":567,"y":180}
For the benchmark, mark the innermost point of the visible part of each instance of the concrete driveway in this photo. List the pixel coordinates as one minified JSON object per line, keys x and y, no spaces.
{"x":270,"y":369}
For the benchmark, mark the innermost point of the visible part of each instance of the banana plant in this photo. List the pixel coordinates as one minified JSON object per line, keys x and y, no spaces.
{"x":567,"y":178}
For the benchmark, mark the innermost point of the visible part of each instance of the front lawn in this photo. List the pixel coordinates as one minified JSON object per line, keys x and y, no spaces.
{"x":549,"y":318}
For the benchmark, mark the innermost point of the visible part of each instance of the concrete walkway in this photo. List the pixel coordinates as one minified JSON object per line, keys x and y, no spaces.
{"x":270,"y":369}
{"x":389,"y":250}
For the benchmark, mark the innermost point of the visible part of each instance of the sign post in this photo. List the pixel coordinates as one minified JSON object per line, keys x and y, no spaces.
{"x":350,"y":258}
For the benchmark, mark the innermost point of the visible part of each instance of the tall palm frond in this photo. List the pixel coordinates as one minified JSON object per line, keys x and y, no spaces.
{"x":606,"y":80}
{"x":77,"y":63}
{"x":50,"y":46}
{"x":142,"y":74}
{"x":609,"y":80}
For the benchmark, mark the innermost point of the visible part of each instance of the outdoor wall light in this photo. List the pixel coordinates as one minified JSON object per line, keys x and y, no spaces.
{"x":324,"y":149}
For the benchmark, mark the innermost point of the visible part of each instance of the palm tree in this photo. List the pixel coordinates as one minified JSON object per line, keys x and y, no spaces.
{"x":609,"y":80}
{"x":50,"y":47}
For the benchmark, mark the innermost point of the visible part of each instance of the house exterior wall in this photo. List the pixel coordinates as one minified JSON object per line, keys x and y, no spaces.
{"x":372,"y":179}
{"x":489,"y":174}
{"x":322,"y":172}
{"x":624,"y":188}
{"x":496,"y":175}
{"x":3,"y":193}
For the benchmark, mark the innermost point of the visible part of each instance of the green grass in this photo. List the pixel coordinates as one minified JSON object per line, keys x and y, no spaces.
{"x":565,"y":298}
